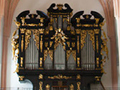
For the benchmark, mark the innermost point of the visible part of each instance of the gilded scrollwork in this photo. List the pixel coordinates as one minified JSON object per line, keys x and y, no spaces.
{"x":73,"y":44}
{"x":51,"y":28}
{"x":36,"y":39}
{"x":78,"y":85}
{"x":74,"y":54}
{"x":42,"y":19}
{"x":22,"y":30}
{"x":60,"y":6}
{"x":78,"y":44}
{"x":68,"y":43}
{"x":97,"y":78}
{"x":78,"y":62}
{"x":97,"y":20}
{"x":41,"y":31}
{"x":104,"y":46}
{"x":17,"y":24}
{"x":92,"y":37}
{"x":102,"y":24}
{"x":78,"y":76}
{"x":46,"y":44}
{"x":71,"y":87}
{"x":45,"y":54}
{"x":15,"y":45}
{"x":41,"y":62}
{"x":68,"y":28}
{"x":21,"y":62}
{"x":40,"y":85}
{"x":96,"y":31}
{"x":27,"y":38}
{"x":22,"y":43}
{"x":60,"y":38}
{"x":50,"y":52}
{"x":21,"y":78}
{"x":69,"y":52}
{"x":41,"y":43}
{"x":23,"y":20}
{"x":51,"y":43}
{"x":78,"y":31}
{"x":40,"y":76}
{"x":78,"y":20}
{"x":47,"y":87}
{"x":105,"y":49}
{"x":17,"y":68}
{"x":32,"y":24}
{"x":83,"y":36}
{"x":97,"y":59}
{"x":59,"y":76}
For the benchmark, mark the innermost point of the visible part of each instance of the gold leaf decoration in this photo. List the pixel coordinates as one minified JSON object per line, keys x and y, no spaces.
{"x":83,"y":36}
{"x":45,"y":54}
{"x":41,"y":43}
{"x":73,"y":52}
{"x":59,"y":76}
{"x":27,"y":37}
{"x":78,"y":44}
{"x":60,"y":38}
{"x":22,"y":43}
{"x":50,"y":52}
{"x":36,"y":39}
{"x":15,"y":45}
{"x":92,"y":37}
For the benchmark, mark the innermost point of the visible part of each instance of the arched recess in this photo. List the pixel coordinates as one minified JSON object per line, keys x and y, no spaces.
{"x":117,"y":21}
{"x":9,"y":7}
{"x":111,"y":32}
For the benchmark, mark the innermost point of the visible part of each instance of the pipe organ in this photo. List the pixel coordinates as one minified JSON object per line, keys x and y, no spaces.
{"x":60,"y":51}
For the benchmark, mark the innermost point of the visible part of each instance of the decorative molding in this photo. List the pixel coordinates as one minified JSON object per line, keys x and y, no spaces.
{"x":36,"y":39}
{"x":27,"y":38}
{"x":40,"y":85}
{"x":40,"y":76}
{"x":59,"y":77}
{"x":69,"y":52}
{"x":21,"y":78}
{"x":50,"y":52}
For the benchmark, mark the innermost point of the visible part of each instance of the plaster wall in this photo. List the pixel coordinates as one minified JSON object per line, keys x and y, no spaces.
{"x":33,"y":5}
{"x":1,"y":35}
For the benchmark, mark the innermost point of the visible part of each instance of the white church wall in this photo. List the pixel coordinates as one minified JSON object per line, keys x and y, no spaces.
{"x":117,"y":19}
{"x":33,"y":5}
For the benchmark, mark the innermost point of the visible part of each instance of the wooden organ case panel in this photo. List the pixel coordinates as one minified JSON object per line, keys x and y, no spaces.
{"x":59,"y":51}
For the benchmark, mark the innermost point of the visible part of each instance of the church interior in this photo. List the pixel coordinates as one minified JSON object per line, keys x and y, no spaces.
{"x":59,"y":45}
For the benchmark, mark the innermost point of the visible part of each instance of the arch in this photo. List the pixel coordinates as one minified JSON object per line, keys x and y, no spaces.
{"x":111,"y":32}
